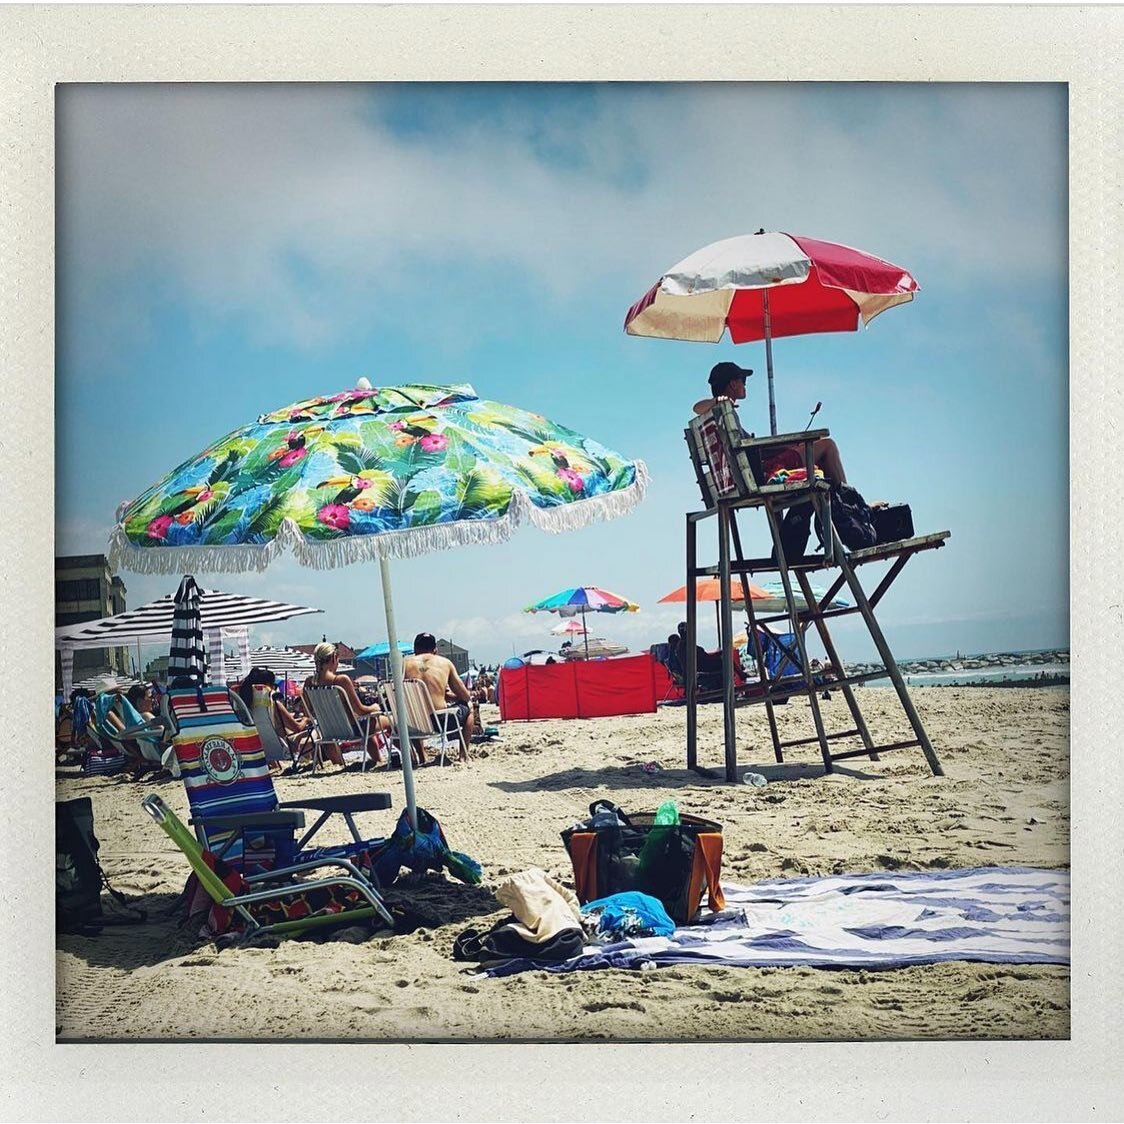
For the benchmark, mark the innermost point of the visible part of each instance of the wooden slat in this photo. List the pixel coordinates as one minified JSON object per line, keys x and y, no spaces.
{"x":877,"y":749}
{"x":815,"y":740}
{"x":778,"y":439}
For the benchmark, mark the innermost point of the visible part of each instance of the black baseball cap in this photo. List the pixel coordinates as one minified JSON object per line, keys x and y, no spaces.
{"x":722,"y":374}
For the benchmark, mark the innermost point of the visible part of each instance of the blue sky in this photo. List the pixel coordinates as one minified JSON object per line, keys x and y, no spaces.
{"x":226,"y":250}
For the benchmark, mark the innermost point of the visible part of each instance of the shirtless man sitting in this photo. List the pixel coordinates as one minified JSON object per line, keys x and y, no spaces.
{"x":441,"y":680}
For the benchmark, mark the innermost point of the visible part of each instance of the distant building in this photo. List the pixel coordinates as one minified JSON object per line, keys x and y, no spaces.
{"x":345,"y":651}
{"x":454,"y":653}
{"x":85,"y":590}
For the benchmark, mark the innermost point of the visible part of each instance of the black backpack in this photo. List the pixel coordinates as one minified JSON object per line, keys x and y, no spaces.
{"x":853,"y":518}
{"x":79,"y":876}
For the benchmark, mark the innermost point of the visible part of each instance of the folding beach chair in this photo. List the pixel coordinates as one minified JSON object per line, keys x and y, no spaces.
{"x":137,"y":736}
{"x":336,"y":723}
{"x":234,"y":807}
{"x":276,"y":746}
{"x":277,"y":901}
{"x":101,"y":758}
{"x":425,"y":721}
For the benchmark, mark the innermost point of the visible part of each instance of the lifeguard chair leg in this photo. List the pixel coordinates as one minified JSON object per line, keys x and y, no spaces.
{"x":888,"y":660}
{"x":758,"y":652}
{"x":833,"y":655}
{"x":794,"y":618}
{"x":725,"y":644}
{"x":689,"y":670}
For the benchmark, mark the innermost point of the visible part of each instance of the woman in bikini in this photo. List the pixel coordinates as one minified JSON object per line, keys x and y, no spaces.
{"x":327,"y":660}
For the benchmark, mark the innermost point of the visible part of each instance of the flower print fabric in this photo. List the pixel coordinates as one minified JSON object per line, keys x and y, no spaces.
{"x":363,"y":462}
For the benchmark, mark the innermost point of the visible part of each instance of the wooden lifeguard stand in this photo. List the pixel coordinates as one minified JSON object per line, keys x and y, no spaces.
{"x":728,"y":467}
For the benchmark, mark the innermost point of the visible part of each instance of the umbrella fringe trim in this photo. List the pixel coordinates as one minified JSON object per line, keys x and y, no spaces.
{"x":408,"y":543}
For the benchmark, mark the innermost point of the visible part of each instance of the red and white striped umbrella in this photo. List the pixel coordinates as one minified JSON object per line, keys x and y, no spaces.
{"x":765,"y":285}
{"x":572,"y":627}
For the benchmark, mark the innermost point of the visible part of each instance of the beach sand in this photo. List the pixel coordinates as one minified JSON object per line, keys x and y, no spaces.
{"x":1005,"y":800}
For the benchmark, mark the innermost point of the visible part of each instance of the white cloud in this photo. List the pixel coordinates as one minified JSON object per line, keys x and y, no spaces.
{"x":293,"y":211}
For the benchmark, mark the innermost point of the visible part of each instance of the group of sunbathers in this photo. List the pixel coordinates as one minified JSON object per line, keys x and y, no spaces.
{"x":115,"y":716}
{"x":110,"y":711}
{"x":436,"y":672}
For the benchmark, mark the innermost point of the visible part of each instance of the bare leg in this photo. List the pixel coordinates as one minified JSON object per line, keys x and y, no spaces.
{"x":466,"y":734}
{"x":825,"y":453}
{"x":374,"y":743}
{"x":134,"y":759}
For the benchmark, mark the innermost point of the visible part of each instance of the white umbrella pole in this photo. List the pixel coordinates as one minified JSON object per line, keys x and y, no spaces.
{"x":585,"y":630}
{"x":769,"y":362}
{"x":66,"y":657}
{"x":399,"y":694}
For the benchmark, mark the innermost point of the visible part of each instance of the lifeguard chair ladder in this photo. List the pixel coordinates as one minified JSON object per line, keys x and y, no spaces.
{"x":728,"y":467}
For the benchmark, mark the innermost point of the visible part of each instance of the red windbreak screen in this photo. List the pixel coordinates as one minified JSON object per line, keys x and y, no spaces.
{"x":597,"y":689}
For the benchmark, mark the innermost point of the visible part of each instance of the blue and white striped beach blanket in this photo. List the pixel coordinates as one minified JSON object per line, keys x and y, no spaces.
{"x":1000,"y":915}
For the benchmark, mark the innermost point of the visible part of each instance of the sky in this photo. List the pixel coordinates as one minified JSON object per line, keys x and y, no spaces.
{"x":225,"y":250}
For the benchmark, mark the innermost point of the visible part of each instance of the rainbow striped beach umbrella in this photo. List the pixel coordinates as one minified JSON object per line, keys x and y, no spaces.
{"x":583,"y":599}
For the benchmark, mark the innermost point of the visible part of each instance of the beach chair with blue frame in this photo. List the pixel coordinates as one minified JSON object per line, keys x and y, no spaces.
{"x":234,"y":807}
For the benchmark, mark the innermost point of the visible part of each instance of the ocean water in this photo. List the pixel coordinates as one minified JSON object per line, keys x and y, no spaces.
{"x":1012,"y":672}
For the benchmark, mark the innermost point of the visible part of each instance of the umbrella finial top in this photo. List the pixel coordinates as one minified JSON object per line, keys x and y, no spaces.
{"x":364,"y":383}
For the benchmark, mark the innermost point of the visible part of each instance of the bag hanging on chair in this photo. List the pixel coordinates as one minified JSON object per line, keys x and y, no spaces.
{"x":674,"y":863}
{"x":853,"y":517}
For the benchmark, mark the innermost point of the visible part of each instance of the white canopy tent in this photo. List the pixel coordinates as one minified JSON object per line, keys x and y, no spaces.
{"x":222,"y":615}
{"x":286,"y":661}
{"x":92,"y":682}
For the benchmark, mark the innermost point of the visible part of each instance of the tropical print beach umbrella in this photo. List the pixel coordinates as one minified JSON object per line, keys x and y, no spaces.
{"x":373,"y":473}
{"x":766,"y":285}
{"x":583,"y":599}
{"x":380,"y":472}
